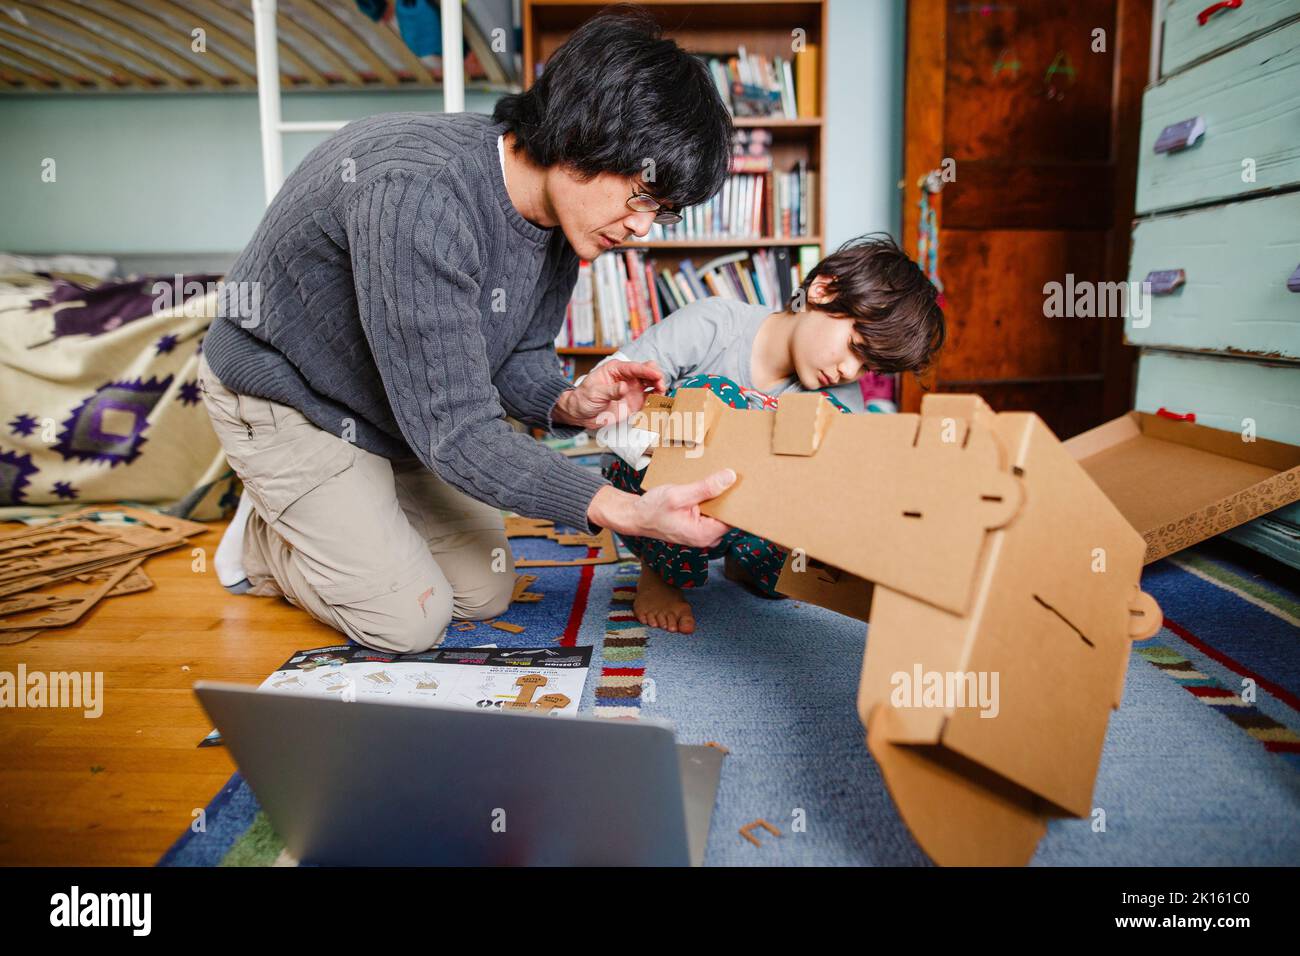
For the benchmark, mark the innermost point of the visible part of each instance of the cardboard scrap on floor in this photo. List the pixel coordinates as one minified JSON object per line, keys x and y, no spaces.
{"x":118,"y":515}
{"x":747,"y":831}
{"x":521,"y":593}
{"x":1001,"y":583}
{"x":53,"y":574}
{"x":519,"y":527}
{"x":135,"y":582}
{"x":60,"y":604}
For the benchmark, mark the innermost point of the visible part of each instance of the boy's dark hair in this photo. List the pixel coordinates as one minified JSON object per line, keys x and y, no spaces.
{"x":894,"y":307}
{"x":615,"y":94}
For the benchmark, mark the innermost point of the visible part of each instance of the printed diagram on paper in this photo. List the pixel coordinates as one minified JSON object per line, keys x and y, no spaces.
{"x":546,"y":680}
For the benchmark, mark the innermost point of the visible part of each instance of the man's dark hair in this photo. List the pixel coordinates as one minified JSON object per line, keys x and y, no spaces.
{"x":894,"y":307}
{"x":615,"y":94}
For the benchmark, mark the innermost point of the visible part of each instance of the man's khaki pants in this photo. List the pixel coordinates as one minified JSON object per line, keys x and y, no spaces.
{"x":384,"y":551}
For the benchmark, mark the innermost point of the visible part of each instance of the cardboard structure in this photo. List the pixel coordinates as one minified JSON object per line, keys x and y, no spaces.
{"x":1179,"y":483}
{"x":979,"y":550}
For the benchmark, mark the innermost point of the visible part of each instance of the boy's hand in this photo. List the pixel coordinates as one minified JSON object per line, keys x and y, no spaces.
{"x":610,"y":393}
{"x":669,"y":512}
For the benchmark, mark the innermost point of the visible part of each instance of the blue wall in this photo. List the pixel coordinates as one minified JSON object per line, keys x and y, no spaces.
{"x":864,"y":131}
{"x":181,"y":173}
{"x":154,"y":172}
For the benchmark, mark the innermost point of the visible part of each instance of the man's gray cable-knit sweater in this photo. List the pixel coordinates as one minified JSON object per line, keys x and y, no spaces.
{"x":405,"y":300}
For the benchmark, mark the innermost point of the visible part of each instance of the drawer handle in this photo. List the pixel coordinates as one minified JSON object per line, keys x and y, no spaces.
{"x":1175,"y":417}
{"x":1293,"y":281}
{"x":1180,"y":135}
{"x":1204,"y":16}
{"x":1165,"y":281}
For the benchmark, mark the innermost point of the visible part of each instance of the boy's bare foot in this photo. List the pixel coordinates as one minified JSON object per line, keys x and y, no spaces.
{"x":660,"y":604}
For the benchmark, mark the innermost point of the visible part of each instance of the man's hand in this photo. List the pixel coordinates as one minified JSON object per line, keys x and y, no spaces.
{"x":610,"y":393}
{"x":668,"y":512}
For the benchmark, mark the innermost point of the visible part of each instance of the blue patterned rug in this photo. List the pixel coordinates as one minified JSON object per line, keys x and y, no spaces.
{"x":1191,"y":773}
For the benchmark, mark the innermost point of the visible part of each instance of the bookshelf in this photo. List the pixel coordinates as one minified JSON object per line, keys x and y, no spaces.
{"x":764,"y":28}
{"x":756,"y":242}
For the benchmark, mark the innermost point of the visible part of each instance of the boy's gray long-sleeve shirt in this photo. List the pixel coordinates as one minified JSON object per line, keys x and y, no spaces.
{"x":714,"y":335}
{"x":403,"y":299}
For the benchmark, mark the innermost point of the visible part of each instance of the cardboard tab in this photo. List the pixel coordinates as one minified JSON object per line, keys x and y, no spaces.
{"x":528,"y":685}
{"x":550,"y":702}
{"x":685,"y":419}
{"x":825,"y":586}
{"x":801,"y":421}
{"x":1145,"y":617}
{"x":956,"y":405}
{"x":648,"y":417}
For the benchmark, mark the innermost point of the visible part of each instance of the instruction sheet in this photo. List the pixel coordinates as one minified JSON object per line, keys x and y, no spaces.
{"x":545,"y":680}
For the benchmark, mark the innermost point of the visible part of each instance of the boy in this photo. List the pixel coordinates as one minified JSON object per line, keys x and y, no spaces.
{"x":866,"y":306}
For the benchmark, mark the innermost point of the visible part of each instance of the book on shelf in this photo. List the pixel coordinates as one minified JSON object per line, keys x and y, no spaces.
{"x":768,"y":87}
{"x":805,"y":79}
{"x":623,"y":292}
{"x":580,"y":315}
{"x":756,"y":200}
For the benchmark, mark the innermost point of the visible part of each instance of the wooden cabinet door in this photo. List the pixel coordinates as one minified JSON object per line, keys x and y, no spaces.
{"x":1033,"y":111}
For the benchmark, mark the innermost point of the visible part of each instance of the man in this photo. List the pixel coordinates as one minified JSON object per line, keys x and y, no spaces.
{"x":410,"y":278}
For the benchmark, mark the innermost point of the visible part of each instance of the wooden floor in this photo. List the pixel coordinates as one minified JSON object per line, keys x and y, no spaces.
{"x":118,"y":790}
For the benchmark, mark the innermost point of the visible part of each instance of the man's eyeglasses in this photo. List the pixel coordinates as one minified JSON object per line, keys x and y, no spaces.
{"x":644,"y":202}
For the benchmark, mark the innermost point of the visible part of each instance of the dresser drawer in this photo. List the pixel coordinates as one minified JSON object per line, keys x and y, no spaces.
{"x":1236,"y":259}
{"x":1279,"y":540}
{"x":1186,"y":39}
{"x":1223,"y":392}
{"x":1249,"y":101}
{"x":1290,"y":514}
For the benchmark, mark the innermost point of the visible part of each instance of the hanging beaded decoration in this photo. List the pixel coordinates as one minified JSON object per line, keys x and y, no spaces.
{"x":927,"y":231}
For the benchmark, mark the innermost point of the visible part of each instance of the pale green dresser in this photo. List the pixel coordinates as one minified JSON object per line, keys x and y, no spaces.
{"x":1218,"y":230}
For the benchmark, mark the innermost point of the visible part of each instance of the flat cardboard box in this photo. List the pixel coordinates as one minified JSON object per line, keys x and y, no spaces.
{"x":1179,"y":483}
{"x":982,"y":548}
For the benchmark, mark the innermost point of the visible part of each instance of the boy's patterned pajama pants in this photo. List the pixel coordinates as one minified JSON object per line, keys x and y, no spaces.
{"x":686,"y":567}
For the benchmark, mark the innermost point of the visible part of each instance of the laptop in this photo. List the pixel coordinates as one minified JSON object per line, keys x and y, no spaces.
{"x":380,"y":783}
